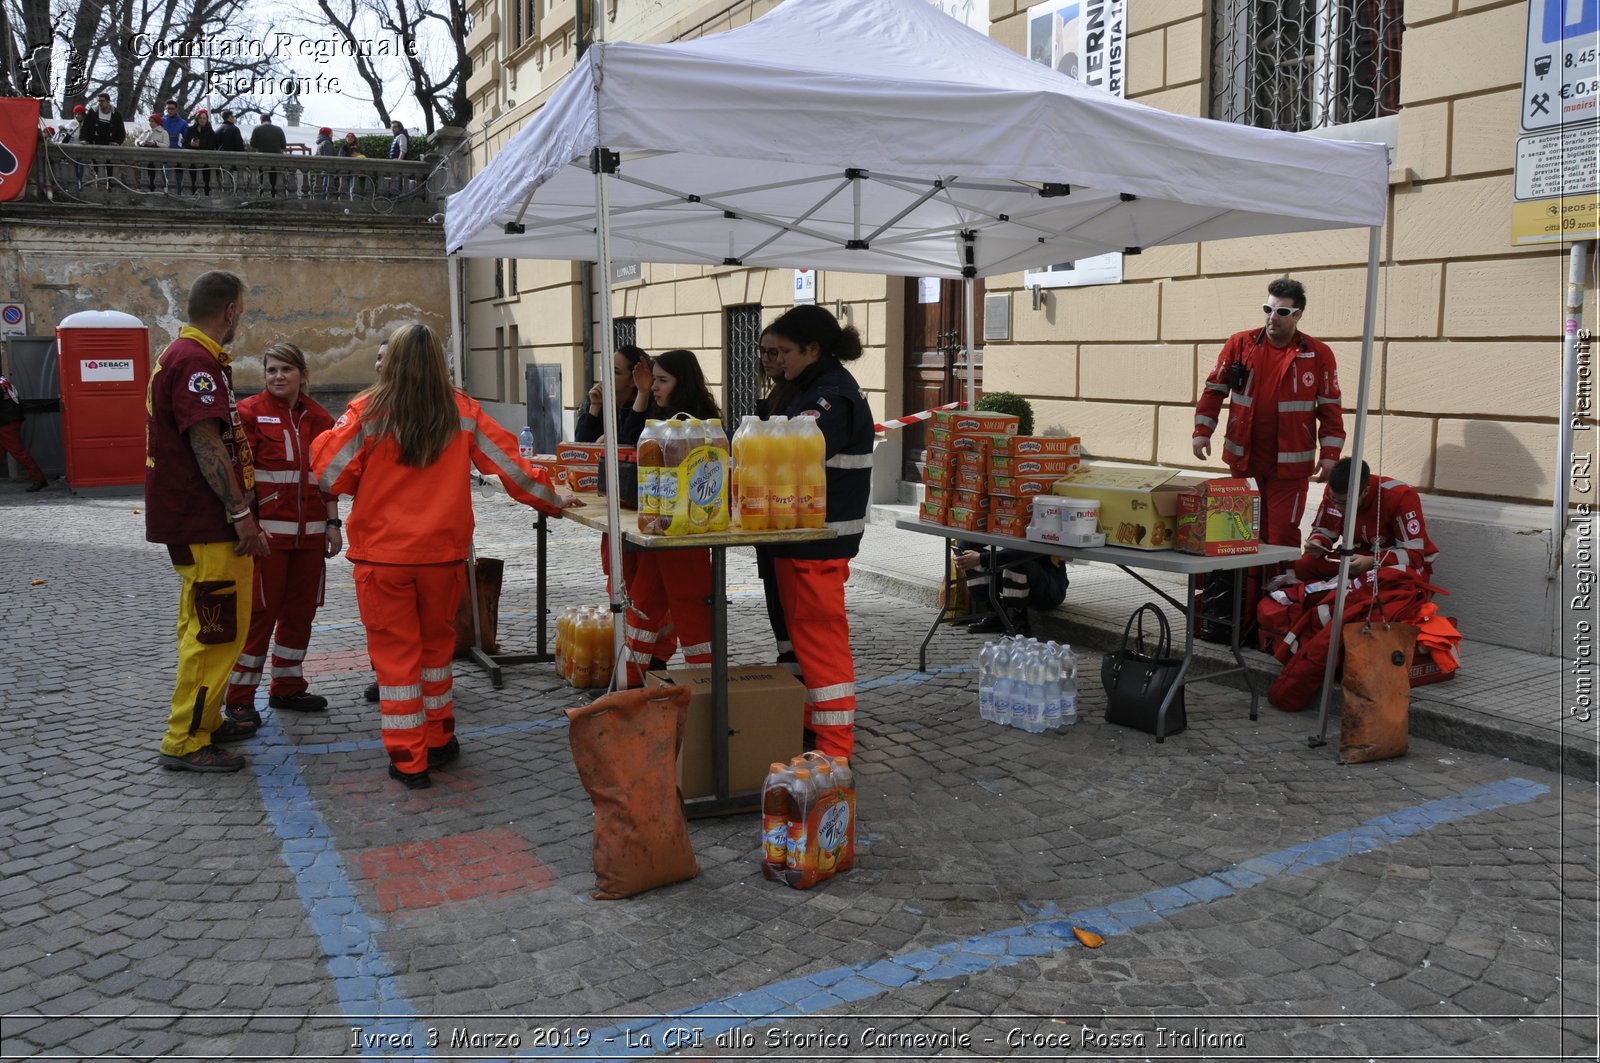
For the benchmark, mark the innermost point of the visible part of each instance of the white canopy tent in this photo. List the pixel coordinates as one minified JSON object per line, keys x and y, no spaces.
{"x":882,"y":136}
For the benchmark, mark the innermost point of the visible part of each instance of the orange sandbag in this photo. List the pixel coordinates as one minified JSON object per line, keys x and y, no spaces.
{"x":1376,"y":715}
{"x":625,"y":746}
{"x":489,"y":574}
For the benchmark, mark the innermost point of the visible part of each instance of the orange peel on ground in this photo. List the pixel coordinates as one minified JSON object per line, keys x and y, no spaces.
{"x":1088,"y":938}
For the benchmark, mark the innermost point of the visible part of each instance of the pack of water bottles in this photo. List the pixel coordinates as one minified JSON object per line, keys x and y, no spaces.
{"x":1025,"y":683}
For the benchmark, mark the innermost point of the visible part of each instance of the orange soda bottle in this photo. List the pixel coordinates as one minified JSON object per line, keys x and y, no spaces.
{"x":811,"y":477}
{"x":800,"y":850}
{"x":649,"y":474}
{"x":782,"y":484}
{"x":754,"y":484}
{"x":847,"y":800}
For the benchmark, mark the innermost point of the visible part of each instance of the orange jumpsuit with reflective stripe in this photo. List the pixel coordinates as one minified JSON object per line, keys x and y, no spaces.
{"x":410,"y":531}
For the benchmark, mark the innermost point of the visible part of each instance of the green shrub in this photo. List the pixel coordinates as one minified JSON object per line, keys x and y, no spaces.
{"x":1009,"y":402}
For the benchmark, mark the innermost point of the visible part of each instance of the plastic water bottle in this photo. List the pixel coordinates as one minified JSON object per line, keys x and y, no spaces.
{"x":1069,"y":701}
{"x":986,"y":680}
{"x":1034,"y":670}
{"x":1007,"y":692}
{"x":1052,"y":690}
{"x":525,"y":443}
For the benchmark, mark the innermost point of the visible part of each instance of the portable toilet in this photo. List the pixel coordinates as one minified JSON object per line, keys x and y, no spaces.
{"x":104,"y":358}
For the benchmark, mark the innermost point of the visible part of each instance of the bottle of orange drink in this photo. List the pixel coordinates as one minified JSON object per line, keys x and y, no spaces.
{"x":811,"y":477}
{"x":754,"y":473}
{"x":782,"y":484}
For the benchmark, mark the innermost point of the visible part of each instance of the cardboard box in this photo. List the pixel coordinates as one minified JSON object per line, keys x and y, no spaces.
{"x":1005,"y":524}
{"x":967,"y":519}
{"x":766,"y":718}
{"x":1032,"y":464}
{"x":557,"y":471}
{"x":581,"y":453}
{"x":1138,"y":506}
{"x":1011,"y":506}
{"x":971,"y":461}
{"x":975,"y":500}
{"x":937,"y":497}
{"x":933,"y":513}
{"x":1061,"y":446}
{"x":970,"y":478}
{"x":1021,"y":486}
{"x":583,"y":478}
{"x":1219,"y":518}
{"x":938,"y":474}
{"x":973,"y":421}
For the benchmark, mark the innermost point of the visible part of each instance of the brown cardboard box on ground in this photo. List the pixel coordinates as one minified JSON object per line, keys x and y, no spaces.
{"x":766,"y":718}
{"x":1138,"y":506}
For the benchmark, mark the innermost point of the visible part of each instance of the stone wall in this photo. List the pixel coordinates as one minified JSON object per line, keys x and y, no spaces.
{"x":334,"y":291}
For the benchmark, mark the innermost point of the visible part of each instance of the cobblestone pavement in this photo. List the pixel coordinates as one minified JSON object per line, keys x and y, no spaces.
{"x":1257,"y":899}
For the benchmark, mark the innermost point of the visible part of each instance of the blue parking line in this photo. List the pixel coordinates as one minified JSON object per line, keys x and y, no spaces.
{"x":370,"y":996}
{"x":368,"y":991}
{"x":808,"y":995}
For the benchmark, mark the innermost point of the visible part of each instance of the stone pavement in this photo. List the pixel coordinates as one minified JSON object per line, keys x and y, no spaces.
{"x":1258,"y":900}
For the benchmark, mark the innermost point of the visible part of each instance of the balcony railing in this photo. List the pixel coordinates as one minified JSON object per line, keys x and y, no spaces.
{"x":66,"y":174}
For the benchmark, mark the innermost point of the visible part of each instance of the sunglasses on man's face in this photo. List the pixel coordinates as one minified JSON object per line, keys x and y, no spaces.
{"x":1281,"y":311}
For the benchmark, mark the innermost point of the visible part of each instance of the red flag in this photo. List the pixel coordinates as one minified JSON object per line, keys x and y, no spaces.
{"x":19,"y":136}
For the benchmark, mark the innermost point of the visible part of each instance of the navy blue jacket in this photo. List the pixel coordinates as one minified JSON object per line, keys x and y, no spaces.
{"x":828,"y":391}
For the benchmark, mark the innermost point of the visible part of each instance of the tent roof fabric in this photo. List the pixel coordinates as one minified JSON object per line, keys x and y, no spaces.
{"x":870,"y":135}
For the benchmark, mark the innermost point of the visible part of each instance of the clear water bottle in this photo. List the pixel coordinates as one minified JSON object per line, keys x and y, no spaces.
{"x":1052,"y":690}
{"x":1034,"y":671}
{"x":525,"y":443}
{"x":1008,"y":690}
{"x":1069,"y":701}
{"x":986,"y":679}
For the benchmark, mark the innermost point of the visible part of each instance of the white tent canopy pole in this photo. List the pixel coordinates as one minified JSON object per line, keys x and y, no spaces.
{"x":1358,"y":441}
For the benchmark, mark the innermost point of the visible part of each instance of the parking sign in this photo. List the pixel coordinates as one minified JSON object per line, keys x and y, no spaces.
{"x":13,"y":319}
{"x":1561,"y":82}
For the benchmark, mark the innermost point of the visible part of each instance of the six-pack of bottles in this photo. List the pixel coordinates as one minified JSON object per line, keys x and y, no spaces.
{"x":808,"y":820}
{"x":778,"y":477}
{"x":1028,"y":684}
{"x":583,"y":646}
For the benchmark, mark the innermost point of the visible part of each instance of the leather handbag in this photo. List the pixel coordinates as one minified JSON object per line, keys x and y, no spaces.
{"x":1139,"y":674}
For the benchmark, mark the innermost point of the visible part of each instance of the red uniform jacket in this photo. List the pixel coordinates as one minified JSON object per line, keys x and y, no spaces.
{"x":1306,"y":399}
{"x":1389,"y":526}
{"x":412,"y":516}
{"x":291,"y":508}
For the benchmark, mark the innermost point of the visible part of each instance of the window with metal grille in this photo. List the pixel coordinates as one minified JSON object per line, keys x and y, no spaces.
{"x":499,"y":278}
{"x":743,"y":371}
{"x":524,"y":21}
{"x":1305,"y":64}
{"x":624,"y":332}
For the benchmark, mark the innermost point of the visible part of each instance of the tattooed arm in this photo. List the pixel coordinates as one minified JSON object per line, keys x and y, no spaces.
{"x":211,"y":454}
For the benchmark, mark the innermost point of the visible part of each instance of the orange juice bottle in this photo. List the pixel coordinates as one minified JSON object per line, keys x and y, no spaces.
{"x":754,"y":507}
{"x":735,"y":449}
{"x":600,"y":633}
{"x":782,"y":485}
{"x":811,"y":478}
{"x":583,"y":652}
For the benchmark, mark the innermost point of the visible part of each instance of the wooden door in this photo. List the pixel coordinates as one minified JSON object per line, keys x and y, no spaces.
{"x":935,"y":366}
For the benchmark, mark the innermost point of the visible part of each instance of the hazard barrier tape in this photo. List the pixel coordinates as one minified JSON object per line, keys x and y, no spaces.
{"x":912,"y":418}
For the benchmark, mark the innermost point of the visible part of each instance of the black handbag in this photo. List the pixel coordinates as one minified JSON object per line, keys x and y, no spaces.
{"x":1137,"y":678}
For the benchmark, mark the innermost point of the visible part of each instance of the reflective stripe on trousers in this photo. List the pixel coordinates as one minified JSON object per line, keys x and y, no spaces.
{"x":812,"y":592}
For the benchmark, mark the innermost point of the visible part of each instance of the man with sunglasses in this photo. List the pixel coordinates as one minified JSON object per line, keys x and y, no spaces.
{"x":1285,"y":420}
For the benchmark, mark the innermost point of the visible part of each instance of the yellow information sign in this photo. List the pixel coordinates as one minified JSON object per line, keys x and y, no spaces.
{"x":1554,"y":221}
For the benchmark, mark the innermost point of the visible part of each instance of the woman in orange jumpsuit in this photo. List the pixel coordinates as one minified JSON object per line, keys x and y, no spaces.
{"x":404,"y":449}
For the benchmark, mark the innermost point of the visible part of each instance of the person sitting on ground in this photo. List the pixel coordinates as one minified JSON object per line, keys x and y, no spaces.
{"x":1391,"y":569}
{"x":1027,"y":580}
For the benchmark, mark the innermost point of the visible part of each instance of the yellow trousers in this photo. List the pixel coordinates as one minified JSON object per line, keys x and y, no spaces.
{"x":213,"y":620}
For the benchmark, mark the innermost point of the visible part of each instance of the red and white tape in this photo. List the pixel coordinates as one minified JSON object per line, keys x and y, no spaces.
{"x":912,"y":418}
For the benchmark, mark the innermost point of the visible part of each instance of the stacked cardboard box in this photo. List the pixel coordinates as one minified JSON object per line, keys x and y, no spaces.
{"x":1026,"y":466}
{"x":580,"y":464}
{"x":1220,"y":517}
{"x":980,"y":475}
